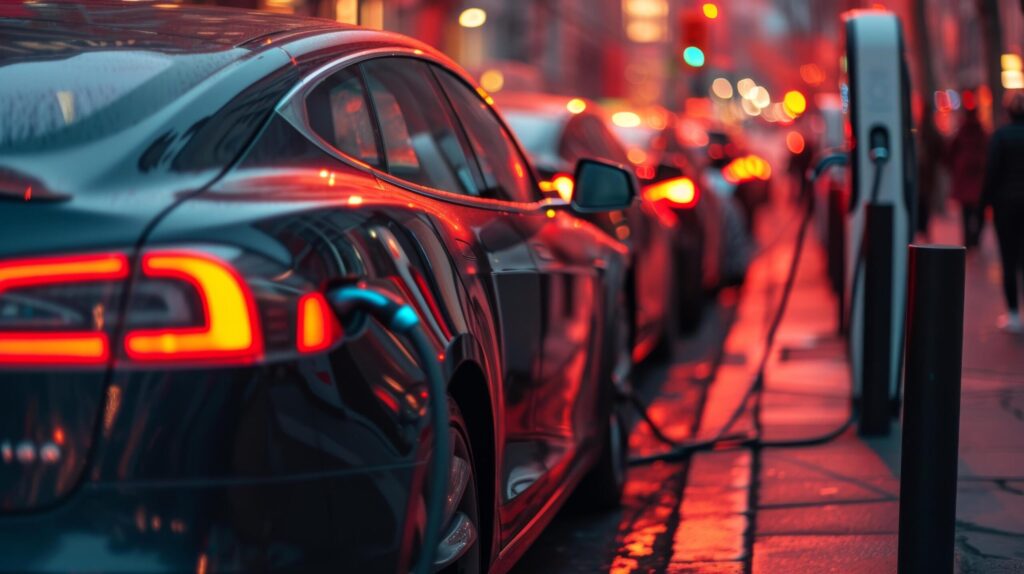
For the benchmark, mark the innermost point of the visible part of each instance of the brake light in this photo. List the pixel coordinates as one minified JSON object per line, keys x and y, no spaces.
{"x":747,"y":168}
{"x":231,"y":331}
{"x":317,"y":328}
{"x":85,"y":343}
{"x":681,"y":192}
{"x":561,"y":183}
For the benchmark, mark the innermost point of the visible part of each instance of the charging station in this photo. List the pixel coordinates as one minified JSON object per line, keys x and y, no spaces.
{"x":880,"y":218}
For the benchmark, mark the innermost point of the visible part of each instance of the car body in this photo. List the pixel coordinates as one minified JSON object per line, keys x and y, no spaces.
{"x":181,"y":191}
{"x":556,"y":131}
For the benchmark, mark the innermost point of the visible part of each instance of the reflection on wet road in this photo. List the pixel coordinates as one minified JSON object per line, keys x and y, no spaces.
{"x":639,"y":537}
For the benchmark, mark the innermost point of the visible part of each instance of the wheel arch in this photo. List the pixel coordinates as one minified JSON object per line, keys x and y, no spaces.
{"x":468,"y":388}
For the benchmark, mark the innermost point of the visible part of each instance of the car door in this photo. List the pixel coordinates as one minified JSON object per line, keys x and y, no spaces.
{"x":550,"y":418}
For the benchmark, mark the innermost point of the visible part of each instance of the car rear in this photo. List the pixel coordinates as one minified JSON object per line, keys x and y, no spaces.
{"x":131,"y":371}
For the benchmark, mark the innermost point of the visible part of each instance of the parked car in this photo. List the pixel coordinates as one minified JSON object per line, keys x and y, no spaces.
{"x":181,"y":201}
{"x":713,"y":244}
{"x":558,"y":130}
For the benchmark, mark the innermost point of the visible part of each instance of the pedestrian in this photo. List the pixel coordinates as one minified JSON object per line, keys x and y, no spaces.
{"x":967,"y":163}
{"x":931,"y":152}
{"x":1004,"y":191}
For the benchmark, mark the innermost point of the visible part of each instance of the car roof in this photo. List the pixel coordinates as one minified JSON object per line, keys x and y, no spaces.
{"x":31,"y":28}
{"x":542,"y":104}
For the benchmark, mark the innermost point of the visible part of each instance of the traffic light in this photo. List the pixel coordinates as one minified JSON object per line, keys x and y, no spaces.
{"x":694,"y":36}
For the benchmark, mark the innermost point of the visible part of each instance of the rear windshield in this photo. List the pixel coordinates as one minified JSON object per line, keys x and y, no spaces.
{"x":539,"y":134}
{"x":87,"y":96}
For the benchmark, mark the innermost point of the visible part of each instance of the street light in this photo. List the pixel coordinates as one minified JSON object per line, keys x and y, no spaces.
{"x":472,"y":18}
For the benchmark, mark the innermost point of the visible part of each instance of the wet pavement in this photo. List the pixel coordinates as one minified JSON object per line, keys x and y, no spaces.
{"x":826,"y":508}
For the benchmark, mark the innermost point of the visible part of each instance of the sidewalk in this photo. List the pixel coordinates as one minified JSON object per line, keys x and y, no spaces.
{"x":834,"y":507}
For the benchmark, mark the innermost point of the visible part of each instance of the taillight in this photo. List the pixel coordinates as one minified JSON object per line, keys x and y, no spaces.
{"x":208,"y":305}
{"x":680,"y":192}
{"x":53,"y":310}
{"x":317,"y":328}
{"x":230,"y":328}
{"x":747,"y":168}
{"x":561,"y":183}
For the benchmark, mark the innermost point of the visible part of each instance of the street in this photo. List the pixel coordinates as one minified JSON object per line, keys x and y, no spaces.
{"x":823,"y":508}
{"x":526,"y":286}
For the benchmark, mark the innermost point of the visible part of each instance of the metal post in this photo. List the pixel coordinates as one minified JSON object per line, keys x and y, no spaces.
{"x":837,"y":250}
{"x":931,"y":409}
{"x":876,"y":363}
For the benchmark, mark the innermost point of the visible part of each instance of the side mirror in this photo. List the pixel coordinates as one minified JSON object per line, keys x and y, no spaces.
{"x":602,"y":186}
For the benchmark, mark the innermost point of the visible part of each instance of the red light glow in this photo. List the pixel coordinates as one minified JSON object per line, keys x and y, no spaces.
{"x":795,"y":142}
{"x":231,"y":332}
{"x":317,"y":328}
{"x":58,"y":347}
{"x":563,"y":184}
{"x":680,"y":192}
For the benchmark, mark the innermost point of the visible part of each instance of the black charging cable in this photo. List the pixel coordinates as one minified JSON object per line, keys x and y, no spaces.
{"x":723,"y":439}
{"x":353,"y":303}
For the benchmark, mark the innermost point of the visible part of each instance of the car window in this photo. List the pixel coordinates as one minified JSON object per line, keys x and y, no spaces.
{"x":422,"y":143}
{"x":504,"y":171}
{"x":339,"y":113}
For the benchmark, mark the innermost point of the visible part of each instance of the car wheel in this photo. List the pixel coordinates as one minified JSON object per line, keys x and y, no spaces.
{"x":459,"y":549}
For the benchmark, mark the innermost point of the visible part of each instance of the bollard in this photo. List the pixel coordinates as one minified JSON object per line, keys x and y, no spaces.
{"x":837,"y":250}
{"x":875,"y":413}
{"x":931,"y":409}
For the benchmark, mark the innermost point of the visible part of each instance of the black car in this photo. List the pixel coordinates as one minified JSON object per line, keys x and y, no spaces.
{"x":187,"y":197}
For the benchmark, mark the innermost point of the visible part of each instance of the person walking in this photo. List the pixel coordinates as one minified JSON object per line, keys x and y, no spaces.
{"x":1004,"y":191}
{"x":967,"y":163}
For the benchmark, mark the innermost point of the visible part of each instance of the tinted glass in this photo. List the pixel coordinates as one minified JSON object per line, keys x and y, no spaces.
{"x":73,"y":98}
{"x":421,"y":142}
{"x":339,"y":113}
{"x":505,"y":172}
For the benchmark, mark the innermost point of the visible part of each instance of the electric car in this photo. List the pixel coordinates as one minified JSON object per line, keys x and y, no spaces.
{"x":185,"y":192}
{"x":556,"y":131}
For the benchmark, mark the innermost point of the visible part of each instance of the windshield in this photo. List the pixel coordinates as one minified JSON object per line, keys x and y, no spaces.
{"x":87,"y":96}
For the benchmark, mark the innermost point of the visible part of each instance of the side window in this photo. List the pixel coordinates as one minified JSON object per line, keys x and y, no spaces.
{"x":422,"y":143}
{"x":505,"y":172}
{"x":338,"y":112}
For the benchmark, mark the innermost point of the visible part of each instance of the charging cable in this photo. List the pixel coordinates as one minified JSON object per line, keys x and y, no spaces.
{"x":722,"y":438}
{"x":353,"y":303}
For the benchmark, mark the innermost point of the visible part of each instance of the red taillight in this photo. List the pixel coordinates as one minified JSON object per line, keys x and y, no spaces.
{"x":680,"y":192}
{"x":85,"y":343}
{"x":561,"y":183}
{"x":231,"y":329}
{"x":316,"y":328}
{"x":747,"y":168}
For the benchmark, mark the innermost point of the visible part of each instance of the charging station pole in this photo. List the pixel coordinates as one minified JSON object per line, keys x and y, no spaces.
{"x":876,"y":100}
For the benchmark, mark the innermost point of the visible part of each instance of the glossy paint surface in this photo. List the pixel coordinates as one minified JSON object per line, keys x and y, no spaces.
{"x":306,"y":459}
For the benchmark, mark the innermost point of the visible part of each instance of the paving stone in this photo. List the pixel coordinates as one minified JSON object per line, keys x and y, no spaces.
{"x":873,"y":554}
{"x":852,"y":518}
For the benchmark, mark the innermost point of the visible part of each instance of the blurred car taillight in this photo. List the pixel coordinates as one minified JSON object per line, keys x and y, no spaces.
{"x":747,"y":168}
{"x":560,"y":183}
{"x":680,"y":192}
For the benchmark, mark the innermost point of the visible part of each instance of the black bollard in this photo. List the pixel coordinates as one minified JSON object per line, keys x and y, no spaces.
{"x":837,"y":250}
{"x":931,"y":409}
{"x":875,"y":414}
